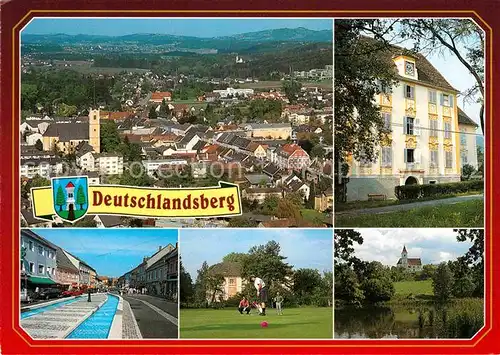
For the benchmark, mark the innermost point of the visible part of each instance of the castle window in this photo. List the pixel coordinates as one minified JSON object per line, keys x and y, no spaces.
{"x":409,"y":155}
{"x":410,"y":125}
{"x":446,"y":100}
{"x":432,"y":97}
{"x":387,"y":120}
{"x":386,"y":156}
{"x":447,"y":130}
{"x":434,"y":158}
{"x":409,"y":92}
{"x":449,"y":160}
{"x":433,"y":128}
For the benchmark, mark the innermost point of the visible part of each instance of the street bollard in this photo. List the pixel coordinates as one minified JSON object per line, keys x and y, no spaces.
{"x":89,"y":299}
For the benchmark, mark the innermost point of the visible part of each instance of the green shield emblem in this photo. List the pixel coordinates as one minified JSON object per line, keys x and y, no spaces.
{"x":71,"y":197}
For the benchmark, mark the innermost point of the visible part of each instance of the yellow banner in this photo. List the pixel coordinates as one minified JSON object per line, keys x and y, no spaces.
{"x":222,"y":200}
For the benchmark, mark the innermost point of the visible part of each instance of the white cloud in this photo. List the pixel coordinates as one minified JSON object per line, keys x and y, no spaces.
{"x":432,"y":245}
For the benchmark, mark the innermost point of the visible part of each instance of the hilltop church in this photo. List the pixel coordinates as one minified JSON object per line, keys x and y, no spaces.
{"x":409,"y":264}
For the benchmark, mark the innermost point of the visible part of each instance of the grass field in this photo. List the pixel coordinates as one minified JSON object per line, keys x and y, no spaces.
{"x":405,"y":288}
{"x":463,"y":214}
{"x":357,"y":205}
{"x":228,"y":323}
{"x":312,"y":215}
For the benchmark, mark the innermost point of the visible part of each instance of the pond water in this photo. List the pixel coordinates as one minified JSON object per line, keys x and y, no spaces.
{"x":402,"y":322}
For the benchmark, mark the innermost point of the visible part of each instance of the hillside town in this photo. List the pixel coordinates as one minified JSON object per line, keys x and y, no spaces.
{"x":276,"y":146}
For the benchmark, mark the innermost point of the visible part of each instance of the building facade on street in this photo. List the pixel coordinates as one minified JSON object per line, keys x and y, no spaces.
{"x":162,"y":273}
{"x":38,"y":261}
{"x":423,"y":144}
{"x":66,"y":272}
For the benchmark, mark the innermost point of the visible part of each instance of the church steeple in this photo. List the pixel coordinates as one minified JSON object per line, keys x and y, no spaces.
{"x":404,"y":254}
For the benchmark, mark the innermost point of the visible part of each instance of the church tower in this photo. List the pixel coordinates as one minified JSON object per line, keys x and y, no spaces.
{"x":404,"y":257}
{"x":95,"y":130}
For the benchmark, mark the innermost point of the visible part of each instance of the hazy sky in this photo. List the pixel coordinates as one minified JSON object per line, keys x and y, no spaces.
{"x":305,"y":248}
{"x":113,"y":251}
{"x":432,"y":245}
{"x":183,"y":27}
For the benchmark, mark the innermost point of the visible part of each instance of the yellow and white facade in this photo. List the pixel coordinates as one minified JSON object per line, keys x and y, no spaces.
{"x":423,"y":145}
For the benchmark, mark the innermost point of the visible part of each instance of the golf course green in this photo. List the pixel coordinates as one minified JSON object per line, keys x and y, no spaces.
{"x":302,"y":323}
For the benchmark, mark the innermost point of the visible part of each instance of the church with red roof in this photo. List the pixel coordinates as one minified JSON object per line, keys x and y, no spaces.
{"x":409,"y":264}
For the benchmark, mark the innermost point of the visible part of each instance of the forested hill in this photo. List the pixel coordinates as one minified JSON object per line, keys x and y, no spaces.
{"x":219,"y":43}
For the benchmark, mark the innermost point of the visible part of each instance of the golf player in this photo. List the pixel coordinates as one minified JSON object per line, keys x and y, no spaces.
{"x":244,"y":306}
{"x":261,"y":293}
{"x":279,"y":300}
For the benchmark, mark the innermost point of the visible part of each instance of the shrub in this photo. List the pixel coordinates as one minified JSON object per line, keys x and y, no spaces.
{"x":412,"y":192}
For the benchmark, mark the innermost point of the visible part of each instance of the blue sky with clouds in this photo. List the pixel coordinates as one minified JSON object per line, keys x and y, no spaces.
{"x":305,"y":248}
{"x":432,"y":245}
{"x":112,"y":251}
{"x":181,"y":27}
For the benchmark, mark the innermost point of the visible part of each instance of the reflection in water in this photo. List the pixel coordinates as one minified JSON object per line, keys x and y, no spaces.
{"x":421,"y":321}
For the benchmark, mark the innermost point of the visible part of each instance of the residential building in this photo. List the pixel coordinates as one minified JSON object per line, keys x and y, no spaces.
{"x":292,"y":157}
{"x":33,"y":138}
{"x":231,"y":92}
{"x":109,"y":163}
{"x":161,"y":272}
{"x":468,"y":134}
{"x":153,"y":165}
{"x":158,"y":97}
{"x":108,"y":221}
{"x":324,"y":201}
{"x":259,"y":194}
{"x":44,"y":167}
{"x":423,"y":144}
{"x":66,"y":273}
{"x":233,"y":282}
{"x":409,"y":264}
{"x":39,"y":265}
{"x":269,"y":131}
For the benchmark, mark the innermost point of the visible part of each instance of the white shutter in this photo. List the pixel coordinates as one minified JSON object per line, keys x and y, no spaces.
{"x":451,"y":100}
{"x":405,"y":154}
{"x":405,"y":125}
{"x":417,"y":156}
{"x":442,"y":99}
{"x":416,"y":128}
{"x":405,"y":90}
{"x":389,"y":156}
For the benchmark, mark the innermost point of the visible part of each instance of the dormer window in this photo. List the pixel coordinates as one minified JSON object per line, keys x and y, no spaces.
{"x":409,"y":68}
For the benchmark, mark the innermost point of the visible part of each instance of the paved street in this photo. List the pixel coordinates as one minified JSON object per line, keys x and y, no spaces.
{"x":156,"y":317}
{"x":410,"y":206}
{"x":57,"y":323}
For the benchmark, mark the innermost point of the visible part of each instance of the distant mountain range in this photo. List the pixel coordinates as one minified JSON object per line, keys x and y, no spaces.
{"x":277,"y":35}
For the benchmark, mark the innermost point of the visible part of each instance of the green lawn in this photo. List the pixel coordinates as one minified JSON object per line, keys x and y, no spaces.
{"x":312,"y":215}
{"x":228,"y":323}
{"x":358,"y":205}
{"x":405,"y":288}
{"x":463,"y":214}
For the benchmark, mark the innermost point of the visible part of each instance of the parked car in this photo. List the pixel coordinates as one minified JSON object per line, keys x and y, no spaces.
{"x":70,"y":293}
{"x":48,"y":293}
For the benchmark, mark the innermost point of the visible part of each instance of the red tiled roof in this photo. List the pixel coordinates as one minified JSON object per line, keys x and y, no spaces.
{"x":159,"y":95}
{"x":70,"y":184}
{"x":290,"y":148}
{"x":210,"y":149}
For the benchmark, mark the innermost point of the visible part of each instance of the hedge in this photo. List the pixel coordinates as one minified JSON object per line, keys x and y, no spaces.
{"x":412,"y":192}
